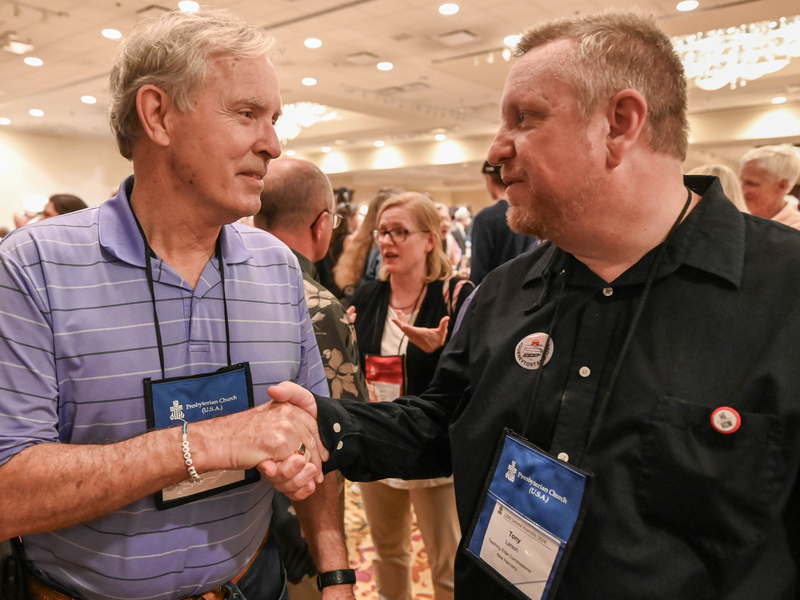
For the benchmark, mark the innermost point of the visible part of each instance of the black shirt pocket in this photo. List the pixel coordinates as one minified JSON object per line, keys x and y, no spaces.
{"x":713,"y":489}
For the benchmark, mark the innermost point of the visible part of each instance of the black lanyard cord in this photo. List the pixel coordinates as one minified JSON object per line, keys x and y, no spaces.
{"x":148,"y":254}
{"x":629,"y":335}
{"x":634,"y":322}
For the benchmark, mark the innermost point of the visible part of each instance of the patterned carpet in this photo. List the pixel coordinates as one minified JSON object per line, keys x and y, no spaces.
{"x":362,"y":551}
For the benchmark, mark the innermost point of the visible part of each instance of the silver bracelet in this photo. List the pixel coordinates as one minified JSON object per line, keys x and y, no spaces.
{"x":187,"y":456}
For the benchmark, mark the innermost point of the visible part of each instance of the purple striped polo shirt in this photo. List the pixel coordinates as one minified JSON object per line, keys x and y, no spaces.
{"x":76,"y":340}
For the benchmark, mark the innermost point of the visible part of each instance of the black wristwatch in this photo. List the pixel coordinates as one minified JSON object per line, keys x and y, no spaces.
{"x":335,"y":578}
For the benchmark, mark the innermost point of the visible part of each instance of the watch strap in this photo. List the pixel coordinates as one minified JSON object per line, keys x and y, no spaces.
{"x":338,"y":577}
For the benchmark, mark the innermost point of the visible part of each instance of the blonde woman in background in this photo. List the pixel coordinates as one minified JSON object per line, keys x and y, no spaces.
{"x":404,"y":320}
{"x":351,"y":267}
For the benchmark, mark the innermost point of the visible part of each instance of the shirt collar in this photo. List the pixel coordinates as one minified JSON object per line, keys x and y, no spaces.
{"x":306,"y":266}
{"x":120,"y":236}
{"x":711,"y":239}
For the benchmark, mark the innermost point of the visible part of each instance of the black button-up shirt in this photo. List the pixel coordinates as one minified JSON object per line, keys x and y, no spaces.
{"x":676,"y":509}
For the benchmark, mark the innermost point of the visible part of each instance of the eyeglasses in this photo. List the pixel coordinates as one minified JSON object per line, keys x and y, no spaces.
{"x":336,"y":217}
{"x":397,"y":235}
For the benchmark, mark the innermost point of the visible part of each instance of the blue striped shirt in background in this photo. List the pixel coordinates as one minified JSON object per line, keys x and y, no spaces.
{"x":76,"y":340}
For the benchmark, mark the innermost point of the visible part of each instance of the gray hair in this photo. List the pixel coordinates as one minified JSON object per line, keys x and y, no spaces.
{"x":293,"y":196}
{"x":781,"y":162}
{"x":172,"y":53}
{"x":615,"y":51}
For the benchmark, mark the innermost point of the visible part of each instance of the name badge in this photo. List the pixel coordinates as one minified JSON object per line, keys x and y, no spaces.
{"x":532,"y":508}
{"x":170,"y":402}
{"x":386,"y":374}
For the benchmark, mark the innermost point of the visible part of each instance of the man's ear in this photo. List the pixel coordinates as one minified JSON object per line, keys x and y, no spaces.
{"x":783,"y":186}
{"x":627,"y":115}
{"x":153,"y":106}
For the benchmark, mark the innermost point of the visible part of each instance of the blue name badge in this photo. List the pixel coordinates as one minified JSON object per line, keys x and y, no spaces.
{"x":171,"y":402}
{"x":532,"y":507}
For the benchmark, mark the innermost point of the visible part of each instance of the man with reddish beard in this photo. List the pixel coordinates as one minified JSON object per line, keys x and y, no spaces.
{"x":138,"y":339}
{"x":654,"y":399}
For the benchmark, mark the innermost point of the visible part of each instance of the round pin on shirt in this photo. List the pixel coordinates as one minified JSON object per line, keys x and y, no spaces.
{"x":533,"y":350}
{"x":726,"y":419}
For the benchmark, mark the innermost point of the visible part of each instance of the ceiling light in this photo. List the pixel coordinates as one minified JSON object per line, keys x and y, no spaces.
{"x":309,"y":81}
{"x":512,"y":40}
{"x":290,"y":153}
{"x":326,"y":149}
{"x":33,"y":61}
{"x":440,"y":137}
{"x":385,"y":66}
{"x":312,"y":43}
{"x":779,"y":99}
{"x":10,"y":43}
{"x":35,"y":112}
{"x":379,"y":143}
{"x":735,"y":55}
{"x":296,"y":117}
{"x":188,"y":6}
{"x":111,"y":34}
{"x":5,"y":121}
{"x":448,"y":9}
{"x":687,"y":5}
{"x":88,"y":99}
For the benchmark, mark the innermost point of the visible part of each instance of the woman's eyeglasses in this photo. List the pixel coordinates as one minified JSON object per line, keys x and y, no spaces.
{"x":397,"y":235}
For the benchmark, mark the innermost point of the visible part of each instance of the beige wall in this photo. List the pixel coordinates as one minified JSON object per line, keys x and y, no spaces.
{"x":90,"y":168}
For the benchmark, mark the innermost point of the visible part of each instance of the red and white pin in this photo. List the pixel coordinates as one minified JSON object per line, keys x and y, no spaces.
{"x":726,"y":419}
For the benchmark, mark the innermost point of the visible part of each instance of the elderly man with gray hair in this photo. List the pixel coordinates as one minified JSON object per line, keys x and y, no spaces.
{"x":767,"y":174}
{"x":139,"y":338}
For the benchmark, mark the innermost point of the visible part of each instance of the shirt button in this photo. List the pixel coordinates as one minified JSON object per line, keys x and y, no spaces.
{"x":607,"y":291}
{"x":563,"y":456}
{"x":337,"y":428}
{"x":585,"y":371}
{"x":339,"y":445}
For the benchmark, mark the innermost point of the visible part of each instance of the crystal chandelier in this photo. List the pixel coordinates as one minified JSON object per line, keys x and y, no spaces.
{"x":295,"y":117}
{"x":735,"y":55}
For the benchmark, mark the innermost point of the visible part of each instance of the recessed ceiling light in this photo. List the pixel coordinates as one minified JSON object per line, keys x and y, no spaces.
{"x":5,"y":121}
{"x":512,"y":40}
{"x":687,"y":5}
{"x":779,"y":99}
{"x":448,"y":9}
{"x":385,"y":66}
{"x":309,"y":81}
{"x":440,"y":137}
{"x":312,"y":43}
{"x":379,"y":143}
{"x":88,"y":99}
{"x":326,"y":149}
{"x":17,"y":47}
{"x":188,"y":6}
{"x":35,"y":112}
{"x":33,"y":61}
{"x":111,"y":34}
{"x":290,"y":153}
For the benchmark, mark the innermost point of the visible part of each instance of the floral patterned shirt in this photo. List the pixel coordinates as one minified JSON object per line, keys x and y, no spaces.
{"x":336,"y":337}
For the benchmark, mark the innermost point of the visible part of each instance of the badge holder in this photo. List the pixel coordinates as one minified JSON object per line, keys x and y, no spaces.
{"x":173,"y":401}
{"x":532,"y":508}
{"x":386,"y":374}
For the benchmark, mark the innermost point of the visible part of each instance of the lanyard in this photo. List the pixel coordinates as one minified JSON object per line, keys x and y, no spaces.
{"x":148,"y":253}
{"x":628,"y":336}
